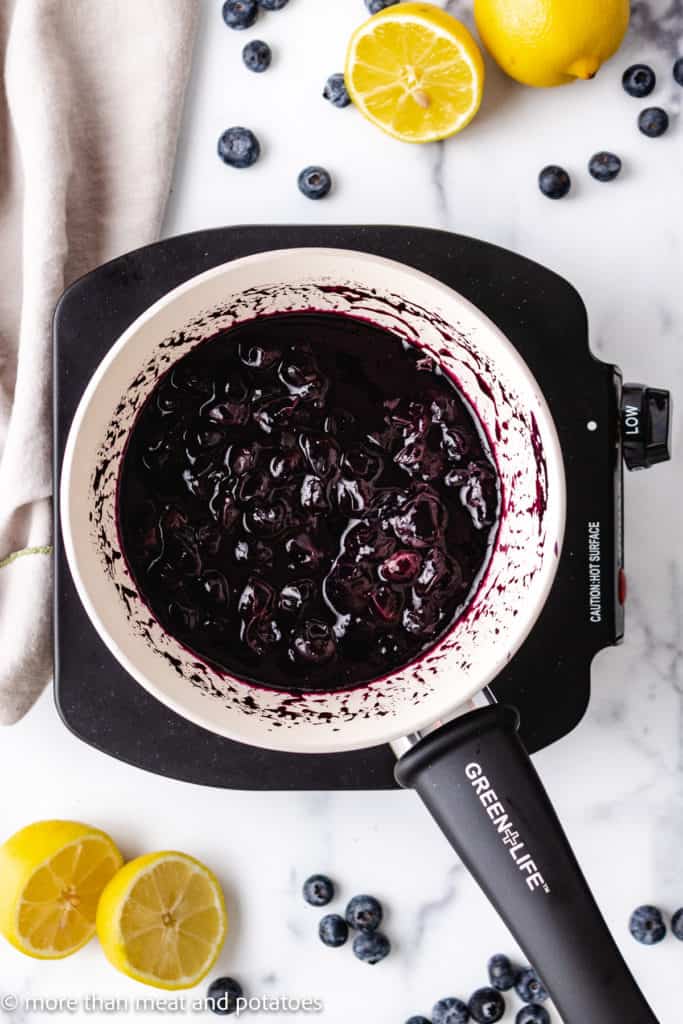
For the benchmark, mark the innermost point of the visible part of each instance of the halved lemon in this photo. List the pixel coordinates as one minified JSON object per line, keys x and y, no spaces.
{"x":51,"y":877}
{"x":162,"y":921}
{"x":416,"y":72}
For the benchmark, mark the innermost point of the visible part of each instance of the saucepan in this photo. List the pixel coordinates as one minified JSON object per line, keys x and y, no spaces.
{"x":465,"y":760}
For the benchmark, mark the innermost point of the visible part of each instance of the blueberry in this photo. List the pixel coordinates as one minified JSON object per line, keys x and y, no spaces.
{"x":647,"y":926}
{"x":335,"y":91}
{"x":239,"y":147}
{"x":318,"y":890}
{"x":529,"y":986}
{"x":386,"y":605}
{"x":487,"y":1005}
{"x":678,"y":70}
{"x":364,"y":913}
{"x":322,"y":454}
{"x":313,"y":643}
{"x":401,"y":567}
{"x":533,"y":1014}
{"x":303,"y":553}
{"x":604,"y":166}
{"x":450,"y":1011}
{"x":239,"y":14}
{"x":295,"y":596}
{"x":222,"y":995}
{"x":314,"y":182}
{"x":371,"y":947}
{"x":501,"y":973}
{"x":257,"y":55}
{"x":639,"y":80}
{"x":554,"y":182}
{"x":677,"y":924}
{"x":653,"y":122}
{"x":417,"y":1020}
{"x":272,"y":5}
{"x":333,"y":930}
{"x":421,"y":522}
{"x":375,"y":6}
{"x":348,"y":588}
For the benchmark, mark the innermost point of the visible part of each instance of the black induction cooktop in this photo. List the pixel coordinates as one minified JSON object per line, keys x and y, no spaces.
{"x":544,"y":317}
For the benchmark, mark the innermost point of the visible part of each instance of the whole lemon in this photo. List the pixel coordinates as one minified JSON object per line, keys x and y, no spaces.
{"x":552,"y":42}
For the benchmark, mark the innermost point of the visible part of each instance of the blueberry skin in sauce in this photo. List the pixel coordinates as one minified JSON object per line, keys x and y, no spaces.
{"x":306,"y":502}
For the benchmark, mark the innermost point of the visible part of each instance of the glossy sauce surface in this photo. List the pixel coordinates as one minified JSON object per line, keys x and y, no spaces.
{"x":306,"y":502}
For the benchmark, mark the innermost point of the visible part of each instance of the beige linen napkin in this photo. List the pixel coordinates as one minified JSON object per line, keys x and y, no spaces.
{"x":89,"y":115}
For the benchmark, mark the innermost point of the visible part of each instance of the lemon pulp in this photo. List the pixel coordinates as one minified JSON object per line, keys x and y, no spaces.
{"x":51,"y":876}
{"x":162,"y":920}
{"x":416,"y":72}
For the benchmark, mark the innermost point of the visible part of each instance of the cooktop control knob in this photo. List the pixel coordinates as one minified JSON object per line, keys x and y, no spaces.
{"x":646,"y":426}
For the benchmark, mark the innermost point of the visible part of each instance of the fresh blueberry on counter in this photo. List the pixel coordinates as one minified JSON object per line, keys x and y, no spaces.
{"x":450,"y":1011}
{"x":529,"y":986}
{"x":487,"y":1006}
{"x":501,"y":973}
{"x":257,"y":55}
{"x":371,"y":947}
{"x":272,"y":5}
{"x":554,"y":182}
{"x":375,"y":6}
{"x":653,"y":122}
{"x":647,"y":925}
{"x":222,"y":995}
{"x":678,"y":70}
{"x":318,"y":890}
{"x":604,"y":166}
{"x":335,"y":91}
{"x":239,"y":147}
{"x":677,"y":924}
{"x":639,"y":80}
{"x":364,"y":913}
{"x":315,"y":182}
{"x":533,"y":1014}
{"x":239,"y":14}
{"x":333,"y":930}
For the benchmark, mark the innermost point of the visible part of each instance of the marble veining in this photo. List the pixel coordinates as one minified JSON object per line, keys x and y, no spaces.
{"x":431,"y":909}
{"x":617,"y":781}
{"x":438,"y":184}
{"x":661,"y":24}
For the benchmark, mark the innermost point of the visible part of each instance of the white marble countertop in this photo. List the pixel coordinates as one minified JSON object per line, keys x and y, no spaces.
{"x":617,"y":780}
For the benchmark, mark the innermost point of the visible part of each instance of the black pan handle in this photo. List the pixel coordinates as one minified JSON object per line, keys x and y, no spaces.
{"x":478,"y":781}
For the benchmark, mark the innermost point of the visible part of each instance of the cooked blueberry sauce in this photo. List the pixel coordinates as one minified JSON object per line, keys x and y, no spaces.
{"x":306,"y":501}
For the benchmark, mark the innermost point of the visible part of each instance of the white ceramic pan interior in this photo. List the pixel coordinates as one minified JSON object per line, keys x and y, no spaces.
{"x":522,"y":439}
